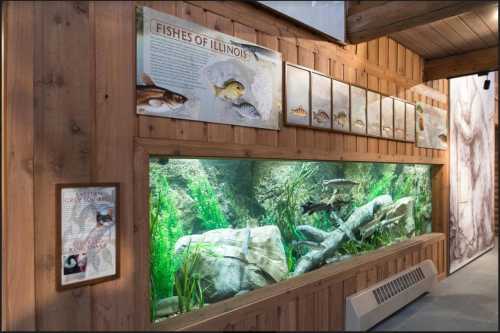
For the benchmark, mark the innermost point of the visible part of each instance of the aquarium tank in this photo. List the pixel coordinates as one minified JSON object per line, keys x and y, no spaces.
{"x":220,"y":228}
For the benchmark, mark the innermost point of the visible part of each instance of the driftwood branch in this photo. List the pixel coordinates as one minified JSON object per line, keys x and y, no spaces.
{"x":336,"y":238}
{"x":313,"y":234}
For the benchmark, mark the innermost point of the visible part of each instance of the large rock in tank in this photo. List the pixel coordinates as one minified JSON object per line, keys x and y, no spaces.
{"x":235,"y":260}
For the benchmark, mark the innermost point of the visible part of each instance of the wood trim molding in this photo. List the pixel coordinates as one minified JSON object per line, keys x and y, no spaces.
{"x":461,"y":64}
{"x":213,"y":149}
{"x":392,"y":16}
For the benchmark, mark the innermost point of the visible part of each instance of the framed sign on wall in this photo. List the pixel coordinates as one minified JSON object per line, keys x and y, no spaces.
{"x":87,"y":233}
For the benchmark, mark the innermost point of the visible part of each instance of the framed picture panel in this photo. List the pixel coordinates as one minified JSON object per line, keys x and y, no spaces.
{"x":358,"y":110}
{"x":399,"y":119}
{"x":341,"y":106}
{"x":87,"y":233}
{"x":297,"y":96}
{"x":387,"y":117}
{"x":373,"y":113}
{"x":410,"y":122}
{"x":321,"y":101}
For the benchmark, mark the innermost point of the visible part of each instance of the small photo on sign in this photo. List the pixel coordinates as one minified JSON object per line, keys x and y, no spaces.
{"x":358,"y":110}
{"x":297,"y":96}
{"x":373,"y":113}
{"x":321,"y":101}
{"x":410,"y":122}
{"x":340,"y":111}
{"x":387,"y":117}
{"x":399,"y":120}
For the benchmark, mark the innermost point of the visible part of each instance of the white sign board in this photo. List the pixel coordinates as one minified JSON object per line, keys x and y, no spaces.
{"x":187,"y":71}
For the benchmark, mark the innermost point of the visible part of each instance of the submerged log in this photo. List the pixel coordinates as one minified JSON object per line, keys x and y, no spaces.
{"x":336,"y":238}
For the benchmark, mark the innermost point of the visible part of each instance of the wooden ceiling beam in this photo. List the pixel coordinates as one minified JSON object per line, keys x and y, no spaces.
{"x":461,"y":64}
{"x":369,"y":22}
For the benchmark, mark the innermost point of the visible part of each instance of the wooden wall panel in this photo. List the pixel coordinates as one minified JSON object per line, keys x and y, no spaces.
{"x":79,"y":58}
{"x":18,"y":229}
{"x":64,"y":149}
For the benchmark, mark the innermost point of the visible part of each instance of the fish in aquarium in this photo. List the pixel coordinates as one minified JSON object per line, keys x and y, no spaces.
{"x":222,"y":228}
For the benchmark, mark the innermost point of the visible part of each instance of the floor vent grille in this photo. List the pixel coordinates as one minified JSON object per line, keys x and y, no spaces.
{"x":392,"y":288}
{"x":371,"y":305}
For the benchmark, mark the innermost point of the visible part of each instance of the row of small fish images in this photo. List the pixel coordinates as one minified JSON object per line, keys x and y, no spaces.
{"x":221,"y":228}
{"x":315,"y":100}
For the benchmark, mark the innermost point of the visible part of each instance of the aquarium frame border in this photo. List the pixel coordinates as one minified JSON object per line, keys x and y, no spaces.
{"x":59,"y":187}
{"x":144,"y":148}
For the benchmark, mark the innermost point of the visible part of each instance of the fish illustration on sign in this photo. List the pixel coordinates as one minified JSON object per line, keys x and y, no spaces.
{"x":340,"y":118}
{"x":387,"y":129}
{"x":152,"y":98}
{"x":443,"y":137}
{"x":247,"y":110}
{"x":421,"y":123}
{"x":299,"y":111}
{"x":231,"y":91}
{"x":321,"y":116}
{"x":359,"y":123}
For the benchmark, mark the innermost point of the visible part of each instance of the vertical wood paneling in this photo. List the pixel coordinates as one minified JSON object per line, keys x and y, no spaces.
{"x":113,"y":301}
{"x":336,"y":306}
{"x":64,"y":147}
{"x":18,"y":229}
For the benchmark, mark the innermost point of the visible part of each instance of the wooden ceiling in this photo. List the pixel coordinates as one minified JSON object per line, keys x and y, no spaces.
{"x":474,"y":30}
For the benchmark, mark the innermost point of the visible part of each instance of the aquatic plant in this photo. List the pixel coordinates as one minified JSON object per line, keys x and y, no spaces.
{"x":165,"y":230}
{"x":187,"y":282}
{"x":209,"y":211}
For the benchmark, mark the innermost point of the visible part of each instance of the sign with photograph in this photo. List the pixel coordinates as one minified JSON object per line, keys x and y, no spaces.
{"x":358,"y":110}
{"x":432,"y":127}
{"x":187,"y":71}
{"x":410,"y":122}
{"x":321,"y":101}
{"x":373,"y":113}
{"x":87,"y":233}
{"x":399,"y":120}
{"x":297,"y":96}
{"x":340,"y":113}
{"x":387,"y":117}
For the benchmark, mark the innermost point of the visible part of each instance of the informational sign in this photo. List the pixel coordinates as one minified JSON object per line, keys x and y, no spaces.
{"x":432,"y":126}
{"x":187,"y":71}
{"x":87,"y":233}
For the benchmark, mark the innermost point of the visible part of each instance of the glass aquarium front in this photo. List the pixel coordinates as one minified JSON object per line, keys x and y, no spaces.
{"x":223,"y":227}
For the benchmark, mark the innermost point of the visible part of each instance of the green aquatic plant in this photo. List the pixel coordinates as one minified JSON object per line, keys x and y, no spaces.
{"x":165,"y":230}
{"x":210,"y":214}
{"x":187,"y":282}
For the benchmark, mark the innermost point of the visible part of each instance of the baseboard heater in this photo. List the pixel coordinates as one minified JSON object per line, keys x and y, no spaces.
{"x":371,"y":305}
